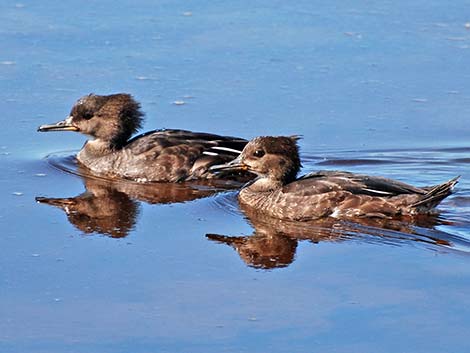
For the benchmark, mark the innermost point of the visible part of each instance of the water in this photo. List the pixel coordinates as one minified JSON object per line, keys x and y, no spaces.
{"x":378,"y":88}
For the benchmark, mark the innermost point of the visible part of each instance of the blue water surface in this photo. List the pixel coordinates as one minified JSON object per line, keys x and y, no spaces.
{"x":373,"y":87}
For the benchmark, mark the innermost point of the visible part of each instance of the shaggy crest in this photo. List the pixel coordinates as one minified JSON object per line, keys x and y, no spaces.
{"x":122,"y":113}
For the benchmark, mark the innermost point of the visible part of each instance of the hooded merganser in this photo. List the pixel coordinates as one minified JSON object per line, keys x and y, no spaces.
{"x":278,"y":192}
{"x":160,"y":155}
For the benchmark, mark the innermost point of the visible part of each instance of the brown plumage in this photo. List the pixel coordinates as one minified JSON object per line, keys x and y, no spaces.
{"x":160,"y":155}
{"x":278,"y":193}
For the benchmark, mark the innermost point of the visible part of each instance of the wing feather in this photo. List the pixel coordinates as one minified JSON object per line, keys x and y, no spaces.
{"x":358,"y":184}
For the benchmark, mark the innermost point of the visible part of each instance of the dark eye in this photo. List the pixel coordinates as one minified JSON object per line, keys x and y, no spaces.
{"x":87,"y":115}
{"x":258,"y":153}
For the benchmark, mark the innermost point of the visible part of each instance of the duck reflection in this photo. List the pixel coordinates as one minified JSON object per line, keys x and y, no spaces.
{"x":112,"y":207}
{"x":261,"y":250}
{"x":101,"y":209}
{"x":273,"y":243}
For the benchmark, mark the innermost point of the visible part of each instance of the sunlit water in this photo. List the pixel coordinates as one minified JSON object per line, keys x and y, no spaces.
{"x":88,"y":265}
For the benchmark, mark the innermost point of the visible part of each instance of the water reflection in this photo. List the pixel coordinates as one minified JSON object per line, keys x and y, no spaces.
{"x":100,"y":209}
{"x":111,"y":207}
{"x":273,"y":243}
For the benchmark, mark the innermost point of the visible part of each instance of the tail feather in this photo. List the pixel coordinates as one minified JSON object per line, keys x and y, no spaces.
{"x":435,"y":195}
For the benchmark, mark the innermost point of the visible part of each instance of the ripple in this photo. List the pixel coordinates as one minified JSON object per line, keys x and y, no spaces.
{"x":353,"y":162}
{"x":65,"y":161}
{"x":421,"y":156}
{"x":227,"y":202}
{"x":461,"y":160}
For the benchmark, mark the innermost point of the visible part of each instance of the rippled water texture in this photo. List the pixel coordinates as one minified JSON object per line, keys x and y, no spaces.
{"x":92,"y":265}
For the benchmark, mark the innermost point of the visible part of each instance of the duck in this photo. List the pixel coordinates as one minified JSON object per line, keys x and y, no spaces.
{"x":278,"y":192}
{"x":165,"y":155}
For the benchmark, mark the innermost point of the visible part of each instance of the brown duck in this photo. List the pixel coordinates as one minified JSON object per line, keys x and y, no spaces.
{"x":278,"y":192}
{"x":160,"y":155}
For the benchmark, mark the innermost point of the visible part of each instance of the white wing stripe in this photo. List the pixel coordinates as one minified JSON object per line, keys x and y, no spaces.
{"x":378,"y":192}
{"x":226,"y":149}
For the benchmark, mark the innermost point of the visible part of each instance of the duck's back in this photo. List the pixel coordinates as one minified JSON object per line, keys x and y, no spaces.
{"x":358,"y":184}
{"x":172,"y":155}
{"x":343,"y":194}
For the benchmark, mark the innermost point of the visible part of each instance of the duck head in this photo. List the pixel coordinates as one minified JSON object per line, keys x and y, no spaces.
{"x":269,"y":157}
{"x":113,"y":118}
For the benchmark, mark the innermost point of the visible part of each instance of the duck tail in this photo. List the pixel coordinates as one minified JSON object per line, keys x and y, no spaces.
{"x":435,"y":195}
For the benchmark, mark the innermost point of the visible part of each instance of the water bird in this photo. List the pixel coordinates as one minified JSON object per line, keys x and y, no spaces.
{"x":166,"y":155}
{"x":279,"y":193}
